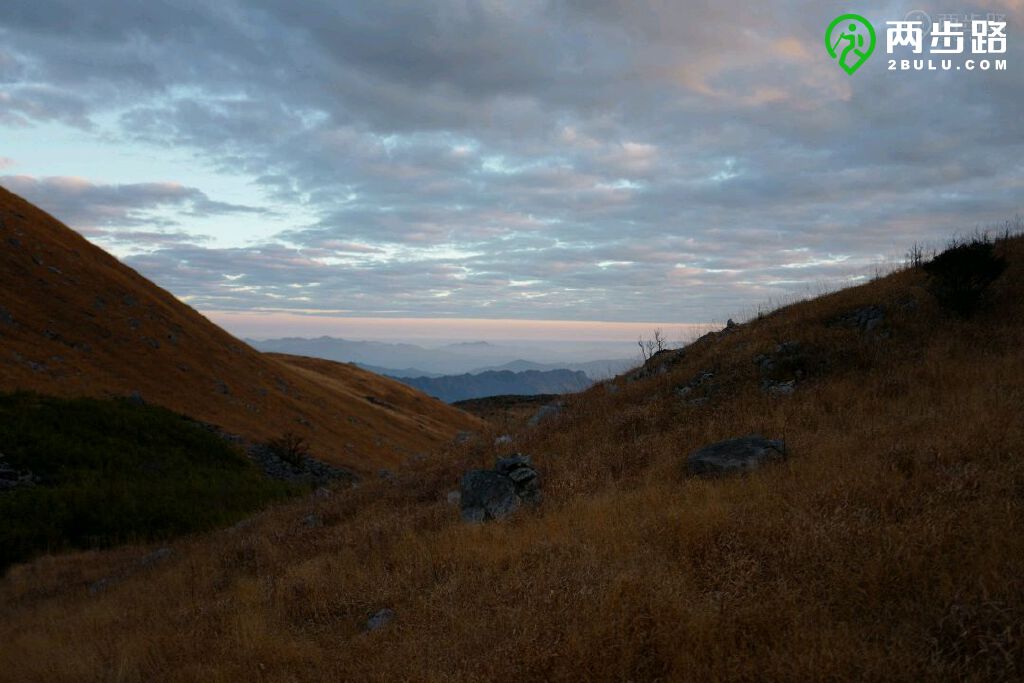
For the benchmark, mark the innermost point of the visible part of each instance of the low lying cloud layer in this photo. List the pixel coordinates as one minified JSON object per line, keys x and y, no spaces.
{"x":598,"y":160}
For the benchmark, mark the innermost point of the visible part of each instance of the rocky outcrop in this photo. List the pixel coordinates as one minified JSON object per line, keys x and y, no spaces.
{"x":865,"y":319}
{"x":307,"y":471}
{"x":495,"y":494}
{"x":11,"y":478}
{"x":658,"y":364}
{"x":782,"y":369}
{"x":698,"y":390}
{"x":734,"y":456}
{"x":303,"y":469}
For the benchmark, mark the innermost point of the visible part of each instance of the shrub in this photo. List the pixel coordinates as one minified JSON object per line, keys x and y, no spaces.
{"x":959,"y":277}
{"x":290,"y":447}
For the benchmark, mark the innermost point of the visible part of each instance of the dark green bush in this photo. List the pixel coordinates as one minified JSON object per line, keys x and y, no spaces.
{"x":111,"y":471}
{"x":291,"y":448}
{"x":960,"y":277}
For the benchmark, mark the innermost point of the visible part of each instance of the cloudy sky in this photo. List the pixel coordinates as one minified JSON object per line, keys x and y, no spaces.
{"x":565,"y":160}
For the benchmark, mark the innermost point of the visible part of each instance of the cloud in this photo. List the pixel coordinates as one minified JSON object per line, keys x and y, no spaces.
{"x":112,"y":214}
{"x":626,"y":160}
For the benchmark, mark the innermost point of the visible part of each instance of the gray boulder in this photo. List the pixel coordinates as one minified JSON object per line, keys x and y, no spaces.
{"x":734,"y":456}
{"x":495,"y":494}
{"x":486,"y":494}
{"x":865,"y":319}
{"x":379,"y":620}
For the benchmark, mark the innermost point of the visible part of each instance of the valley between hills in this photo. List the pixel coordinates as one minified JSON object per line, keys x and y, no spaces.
{"x":875,"y":529}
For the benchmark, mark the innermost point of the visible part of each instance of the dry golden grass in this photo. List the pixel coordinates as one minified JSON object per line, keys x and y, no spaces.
{"x":890,"y":546}
{"x":74,"y":321}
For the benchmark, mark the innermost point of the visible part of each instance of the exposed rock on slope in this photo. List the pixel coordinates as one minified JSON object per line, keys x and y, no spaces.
{"x":734,"y":456}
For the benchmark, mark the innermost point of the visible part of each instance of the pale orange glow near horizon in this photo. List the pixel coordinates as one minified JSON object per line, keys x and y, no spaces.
{"x":264,"y":325}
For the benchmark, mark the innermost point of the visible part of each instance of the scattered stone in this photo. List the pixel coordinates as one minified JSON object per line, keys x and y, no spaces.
{"x":864,"y":319}
{"x":502,"y":440}
{"x":11,"y":478}
{"x":322,"y":492}
{"x":658,"y":364}
{"x":702,"y":384}
{"x":546,"y":412}
{"x":312,"y":521}
{"x":386,"y":475}
{"x":454,"y":497}
{"x":380,"y":402}
{"x":495,"y":494}
{"x":464,"y":436}
{"x":241,"y":525}
{"x":782,"y":368}
{"x":307,"y":470}
{"x":734,"y":456}
{"x":379,"y":620}
{"x":730,"y":327}
{"x":155,"y":557}
{"x":781,"y":388}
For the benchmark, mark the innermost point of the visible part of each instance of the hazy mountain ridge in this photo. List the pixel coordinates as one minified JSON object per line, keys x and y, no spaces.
{"x":402,"y":359}
{"x":451,"y":388}
{"x":596,"y":369}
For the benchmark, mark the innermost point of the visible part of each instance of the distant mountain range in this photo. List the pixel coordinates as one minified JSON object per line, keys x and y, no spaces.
{"x":594,"y":369}
{"x":404,"y":360}
{"x":451,"y":388}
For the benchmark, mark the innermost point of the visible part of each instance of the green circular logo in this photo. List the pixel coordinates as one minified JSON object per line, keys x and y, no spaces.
{"x":850,"y":39}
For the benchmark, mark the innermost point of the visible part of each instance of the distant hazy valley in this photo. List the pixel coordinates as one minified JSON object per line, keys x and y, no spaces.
{"x":466,"y":370}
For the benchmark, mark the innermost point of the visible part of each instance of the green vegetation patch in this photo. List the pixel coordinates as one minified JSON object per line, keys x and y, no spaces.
{"x":104,"y":472}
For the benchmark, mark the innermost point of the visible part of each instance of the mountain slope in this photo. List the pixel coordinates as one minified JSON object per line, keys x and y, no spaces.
{"x":74,"y":321}
{"x":888,"y":547}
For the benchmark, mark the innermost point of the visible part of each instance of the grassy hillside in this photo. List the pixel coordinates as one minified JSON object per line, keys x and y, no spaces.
{"x":74,"y":321}
{"x":105,"y":472}
{"x":890,"y":545}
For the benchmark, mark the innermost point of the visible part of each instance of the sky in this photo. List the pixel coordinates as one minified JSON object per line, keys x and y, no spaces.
{"x":594,"y":164}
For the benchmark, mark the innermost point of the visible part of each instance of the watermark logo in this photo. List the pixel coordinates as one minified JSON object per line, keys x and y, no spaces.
{"x":850,"y":39}
{"x":960,"y":41}
{"x":950,"y":36}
